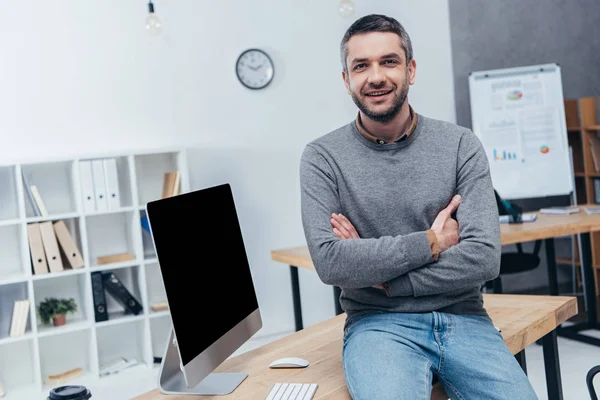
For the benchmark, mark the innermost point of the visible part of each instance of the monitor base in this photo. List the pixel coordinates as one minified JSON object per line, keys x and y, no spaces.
{"x":172,"y":381}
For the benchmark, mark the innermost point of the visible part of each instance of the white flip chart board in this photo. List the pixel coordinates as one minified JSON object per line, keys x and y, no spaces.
{"x":519,"y":116}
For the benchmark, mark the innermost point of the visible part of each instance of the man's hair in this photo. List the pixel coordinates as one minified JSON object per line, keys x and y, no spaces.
{"x":376,"y":23}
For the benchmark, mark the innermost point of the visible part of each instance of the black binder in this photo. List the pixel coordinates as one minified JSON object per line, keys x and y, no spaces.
{"x":115,"y":288}
{"x":100,"y":311}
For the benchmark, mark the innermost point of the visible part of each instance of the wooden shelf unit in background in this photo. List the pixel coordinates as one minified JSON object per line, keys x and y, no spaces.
{"x":582,"y":124}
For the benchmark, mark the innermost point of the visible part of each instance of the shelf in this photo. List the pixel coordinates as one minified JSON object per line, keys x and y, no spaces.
{"x":81,"y":380}
{"x":592,"y":128}
{"x":61,"y":274}
{"x":13,"y":278}
{"x":108,"y":212}
{"x":9,"y":209}
{"x":573,"y":128}
{"x":12,"y":262}
{"x":124,"y":264}
{"x":158,"y":314}
{"x":17,"y":369}
{"x":8,"y":222}
{"x":109,"y":234}
{"x":8,"y":340}
{"x":120,"y":317}
{"x":72,"y":325}
{"x":59,"y":354}
{"x":56,"y":217}
{"x":115,"y":342}
{"x":149,"y":261}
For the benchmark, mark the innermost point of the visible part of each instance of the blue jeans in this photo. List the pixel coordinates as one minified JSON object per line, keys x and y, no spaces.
{"x":395,"y":356}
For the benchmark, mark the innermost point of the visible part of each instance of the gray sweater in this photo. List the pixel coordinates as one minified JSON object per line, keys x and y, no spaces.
{"x":392,"y":193}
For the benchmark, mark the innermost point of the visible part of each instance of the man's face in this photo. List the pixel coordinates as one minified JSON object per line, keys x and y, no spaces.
{"x":378,"y":77}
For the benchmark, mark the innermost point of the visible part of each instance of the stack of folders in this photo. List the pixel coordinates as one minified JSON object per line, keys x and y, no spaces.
{"x":99,"y":185}
{"x":46,"y":239}
{"x":19,"y":318}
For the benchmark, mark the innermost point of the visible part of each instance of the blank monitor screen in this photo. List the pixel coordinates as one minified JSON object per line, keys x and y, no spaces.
{"x":204,"y":266}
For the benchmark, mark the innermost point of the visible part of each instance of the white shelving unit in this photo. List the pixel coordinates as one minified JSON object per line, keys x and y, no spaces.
{"x":27,"y":361}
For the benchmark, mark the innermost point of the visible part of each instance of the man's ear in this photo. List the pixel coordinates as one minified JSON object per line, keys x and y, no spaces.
{"x":346,"y":81}
{"x":412,"y":71}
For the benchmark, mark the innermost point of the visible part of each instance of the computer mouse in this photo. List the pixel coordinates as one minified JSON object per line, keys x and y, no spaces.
{"x":289,"y":362}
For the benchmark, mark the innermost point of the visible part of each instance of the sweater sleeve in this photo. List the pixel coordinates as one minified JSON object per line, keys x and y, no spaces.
{"x":350,"y":263}
{"x":476,"y":258}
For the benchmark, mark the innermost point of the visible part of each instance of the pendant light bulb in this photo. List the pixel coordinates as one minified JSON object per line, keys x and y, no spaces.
{"x":153,"y":24}
{"x":346,"y":8}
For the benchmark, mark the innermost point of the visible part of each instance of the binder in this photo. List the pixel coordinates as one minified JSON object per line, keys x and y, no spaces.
{"x":111,"y":179}
{"x":38,"y":200}
{"x":88,"y":198}
{"x":169,"y":184}
{"x":99,"y":185}
{"x":177,"y":185}
{"x":24,"y":317}
{"x":68,"y":245}
{"x":19,"y":318}
{"x":51,"y":247}
{"x":27,"y":187}
{"x":100,"y":311}
{"x":15,"y":319}
{"x":120,"y":293}
{"x":36,"y":249}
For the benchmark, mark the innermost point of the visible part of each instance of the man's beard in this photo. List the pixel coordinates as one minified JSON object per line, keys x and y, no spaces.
{"x":390,"y":113}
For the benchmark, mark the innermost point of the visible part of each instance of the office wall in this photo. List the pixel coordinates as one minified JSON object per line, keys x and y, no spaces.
{"x":81,"y":77}
{"x":512,"y":33}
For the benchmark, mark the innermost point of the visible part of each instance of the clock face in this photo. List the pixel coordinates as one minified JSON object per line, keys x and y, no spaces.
{"x":255,"y":69}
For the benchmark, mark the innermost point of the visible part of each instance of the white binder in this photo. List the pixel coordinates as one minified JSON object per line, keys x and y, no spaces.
{"x":88,"y":199}
{"x":111,"y":179}
{"x":99,"y":185}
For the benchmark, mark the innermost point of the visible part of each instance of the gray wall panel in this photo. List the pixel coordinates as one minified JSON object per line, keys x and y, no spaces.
{"x":512,"y":33}
{"x":489,"y":34}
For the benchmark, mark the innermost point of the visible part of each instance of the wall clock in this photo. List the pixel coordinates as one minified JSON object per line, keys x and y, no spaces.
{"x":255,"y":69}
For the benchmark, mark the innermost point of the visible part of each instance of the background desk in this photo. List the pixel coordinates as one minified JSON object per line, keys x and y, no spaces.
{"x":546,"y":227}
{"x":522,"y":319}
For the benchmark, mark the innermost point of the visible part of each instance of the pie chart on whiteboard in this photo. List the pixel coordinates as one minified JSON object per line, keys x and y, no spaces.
{"x":544,"y":149}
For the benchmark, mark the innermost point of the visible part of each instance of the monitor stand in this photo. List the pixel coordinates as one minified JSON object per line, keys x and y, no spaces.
{"x":171,"y":380}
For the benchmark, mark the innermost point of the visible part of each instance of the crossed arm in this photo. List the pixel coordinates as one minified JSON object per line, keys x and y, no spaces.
{"x":405,"y":266}
{"x":444,"y":228}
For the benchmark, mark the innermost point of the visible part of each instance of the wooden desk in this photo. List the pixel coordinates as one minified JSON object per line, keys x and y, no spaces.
{"x":523,"y":320}
{"x":546,"y":227}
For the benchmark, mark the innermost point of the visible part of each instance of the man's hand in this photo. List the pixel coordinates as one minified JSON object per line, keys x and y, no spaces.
{"x":342,"y":227}
{"x":445,"y":227}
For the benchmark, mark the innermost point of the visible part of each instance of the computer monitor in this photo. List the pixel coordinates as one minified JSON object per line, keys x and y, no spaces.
{"x":209,"y":288}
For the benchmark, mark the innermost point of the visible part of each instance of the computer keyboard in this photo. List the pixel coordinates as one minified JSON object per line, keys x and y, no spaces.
{"x":292,"y":391}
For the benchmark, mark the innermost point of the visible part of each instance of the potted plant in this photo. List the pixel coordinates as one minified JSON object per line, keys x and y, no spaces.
{"x":56,"y":310}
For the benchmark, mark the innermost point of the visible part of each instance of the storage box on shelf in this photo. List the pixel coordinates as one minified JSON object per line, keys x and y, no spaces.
{"x":108,"y":234}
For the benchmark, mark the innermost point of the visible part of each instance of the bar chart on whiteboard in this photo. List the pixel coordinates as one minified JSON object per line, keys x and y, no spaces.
{"x":518,"y":115}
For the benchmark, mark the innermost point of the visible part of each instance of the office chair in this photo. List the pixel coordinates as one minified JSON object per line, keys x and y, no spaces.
{"x":516,"y":261}
{"x":589,"y":380}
